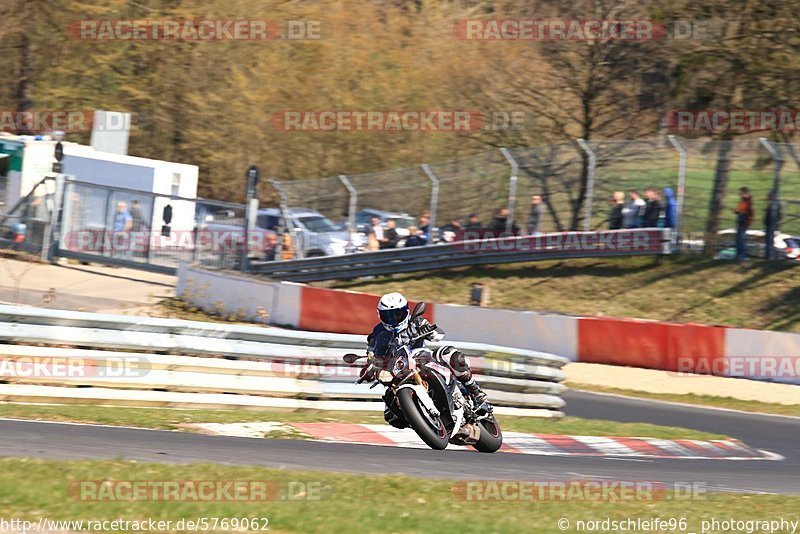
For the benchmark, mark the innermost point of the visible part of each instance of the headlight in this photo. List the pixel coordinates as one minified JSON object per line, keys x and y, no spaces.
{"x":398,"y":366}
{"x":385,"y":376}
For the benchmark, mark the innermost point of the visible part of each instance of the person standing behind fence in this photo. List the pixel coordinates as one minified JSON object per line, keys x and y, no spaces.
{"x":138,"y":224}
{"x":416,"y":237}
{"x":123,"y":222}
{"x":653,"y":210}
{"x":633,"y":212}
{"x":670,"y":209}
{"x":473,"y":222}
{"x":615,"y":217}
{"x":536,"y":214}
{"x":744,"y":217}
{"x":390,"y":236}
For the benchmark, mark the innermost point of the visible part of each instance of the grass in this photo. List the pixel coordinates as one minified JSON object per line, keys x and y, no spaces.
{"x":169,"y":419}
{"x":701,"y":400}
{"x":327,"y":502}
{"x":760,"y":294}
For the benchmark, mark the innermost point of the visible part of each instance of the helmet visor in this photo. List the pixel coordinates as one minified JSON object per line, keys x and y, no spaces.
{"x":393,"y":317}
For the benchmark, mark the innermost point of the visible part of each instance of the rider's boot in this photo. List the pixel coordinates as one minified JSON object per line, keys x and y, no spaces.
{"x":479,"y":397}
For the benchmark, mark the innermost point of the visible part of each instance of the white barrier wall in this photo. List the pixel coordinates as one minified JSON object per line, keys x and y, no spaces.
{"x":251,"y":299}
{"x":555,"y":334}
{"x":763,"y":355}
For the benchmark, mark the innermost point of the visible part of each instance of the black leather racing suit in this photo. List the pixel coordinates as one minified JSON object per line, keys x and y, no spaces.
{"x":378,"y":345}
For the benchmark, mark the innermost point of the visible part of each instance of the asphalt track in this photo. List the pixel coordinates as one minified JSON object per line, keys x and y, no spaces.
{"x":774,"y":434}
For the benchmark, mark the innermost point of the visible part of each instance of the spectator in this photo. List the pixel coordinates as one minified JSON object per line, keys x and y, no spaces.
{"x":633,"y":212}
{"x":617,"y":202}
{"x":671,"y":208}
{"x":123,"y":223}
{"x":272,"y":246}
{"x":653,"y":210}
{"x":473,"y":222}
{"x":138,"y":223}
{"x":500,"y":221}
{"x":377,"y":228}
{"x":390,"y":237}
{"x":449,"y":231}
{"x":744,"y":216}
{"x":454,"y":226}
{"x":536,"y":214}
{"x":416,"y":238}
{"x":425,"y":223}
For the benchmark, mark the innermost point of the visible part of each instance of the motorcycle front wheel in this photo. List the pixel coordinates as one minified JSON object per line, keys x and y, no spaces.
{"x":491,"y":438}
{"x":430,"y":429}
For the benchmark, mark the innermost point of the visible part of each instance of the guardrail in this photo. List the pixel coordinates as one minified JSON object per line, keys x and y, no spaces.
{"x":561,"y":245}
{"x":146,"y":361}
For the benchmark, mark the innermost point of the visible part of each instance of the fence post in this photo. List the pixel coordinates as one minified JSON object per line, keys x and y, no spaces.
{"x":774,"y":205}
{"x":512,"y":189}
{"x":682,"y":158}
{"x":587,"y":223}
{"x":434,"y":199}
{"x":284,"y":207}
{"x":351,"y":211}
{"x":51,"y":234}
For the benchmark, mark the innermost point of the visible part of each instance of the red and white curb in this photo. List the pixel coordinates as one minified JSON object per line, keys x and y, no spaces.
{"x":513,"y":442}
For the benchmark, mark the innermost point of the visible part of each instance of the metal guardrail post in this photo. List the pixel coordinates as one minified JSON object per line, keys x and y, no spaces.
{"x":351,"y":211}
{"x":587,"y":222}
{"x":774,"y":205}
{"x":682,"y":158}
{"x":284,"y":207}
{"x":512,"y":189}
{"x":434,"y":199}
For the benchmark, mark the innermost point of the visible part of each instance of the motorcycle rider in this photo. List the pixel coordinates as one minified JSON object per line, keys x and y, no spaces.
{"x":396,"y":322}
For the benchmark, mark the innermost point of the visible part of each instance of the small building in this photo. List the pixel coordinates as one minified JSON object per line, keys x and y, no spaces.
{"x":117,"y":177}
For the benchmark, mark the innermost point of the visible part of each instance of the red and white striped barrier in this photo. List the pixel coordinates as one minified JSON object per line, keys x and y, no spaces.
{"x":690,"y":348}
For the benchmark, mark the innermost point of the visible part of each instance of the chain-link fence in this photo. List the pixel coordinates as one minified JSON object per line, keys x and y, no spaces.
{"x":581,"y":186}
{"x":568,"y":186}
{"x":148,"y":230}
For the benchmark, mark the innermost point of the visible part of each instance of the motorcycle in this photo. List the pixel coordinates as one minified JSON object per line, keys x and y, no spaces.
{"x":427,"y":395}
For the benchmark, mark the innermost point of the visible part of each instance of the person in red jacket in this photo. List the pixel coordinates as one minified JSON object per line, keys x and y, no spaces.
{"x":744,"y":216}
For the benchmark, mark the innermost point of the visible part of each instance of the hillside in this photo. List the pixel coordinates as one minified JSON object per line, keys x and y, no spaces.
{"x":686,"y":289}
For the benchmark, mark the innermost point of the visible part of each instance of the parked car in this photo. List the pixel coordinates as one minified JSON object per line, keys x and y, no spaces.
{"x":313,"y":234}
{"x":223,"y":231}
{"x":785,"y":245}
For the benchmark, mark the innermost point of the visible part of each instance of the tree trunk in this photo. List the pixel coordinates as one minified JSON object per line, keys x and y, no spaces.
{"x":720,"y":188}
{"x":578,"y":203}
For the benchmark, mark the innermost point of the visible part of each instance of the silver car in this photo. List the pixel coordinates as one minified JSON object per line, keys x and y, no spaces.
{"x":314,"y":234}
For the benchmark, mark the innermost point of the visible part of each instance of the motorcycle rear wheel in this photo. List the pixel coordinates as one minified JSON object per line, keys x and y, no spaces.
{"x":491,"y":438}
{"x":431,"y":430}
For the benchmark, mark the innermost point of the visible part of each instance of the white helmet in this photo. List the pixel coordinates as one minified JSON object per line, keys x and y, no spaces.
{"x":393,"y":312}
